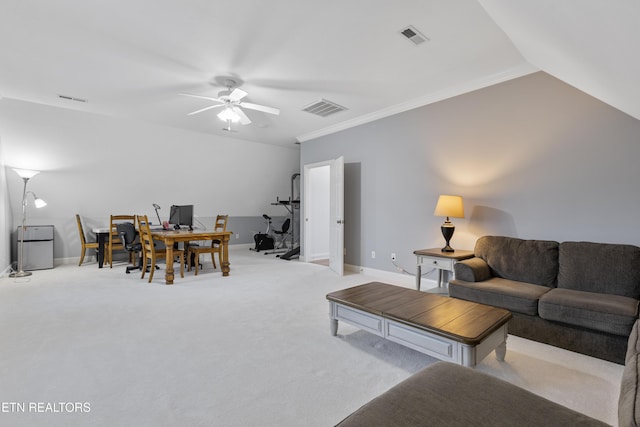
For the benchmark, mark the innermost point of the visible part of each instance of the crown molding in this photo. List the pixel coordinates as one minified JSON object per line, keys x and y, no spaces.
{"x":510,"y":74}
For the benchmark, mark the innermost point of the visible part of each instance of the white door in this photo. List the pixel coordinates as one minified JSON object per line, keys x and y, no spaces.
{"x":336,"y":232}
{"x":336,"y":213}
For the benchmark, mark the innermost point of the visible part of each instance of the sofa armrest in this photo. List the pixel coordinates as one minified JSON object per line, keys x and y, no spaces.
{"x":445,"y":394}
{"x":472,"y":270}
{"x":629,"y":401}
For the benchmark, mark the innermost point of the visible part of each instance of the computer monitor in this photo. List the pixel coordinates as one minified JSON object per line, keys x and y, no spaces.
{"x":181,"y":215}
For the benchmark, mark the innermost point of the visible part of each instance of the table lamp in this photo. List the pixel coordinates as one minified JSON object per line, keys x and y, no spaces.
{"x":156,"y":207}
{"x":449,"y":206}
{"x":25,"y":175}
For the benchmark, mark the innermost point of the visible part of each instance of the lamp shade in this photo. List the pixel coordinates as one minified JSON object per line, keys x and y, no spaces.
{"x":449,"y":206}
{"x":229,"y":114}
{"x":26,"y":173}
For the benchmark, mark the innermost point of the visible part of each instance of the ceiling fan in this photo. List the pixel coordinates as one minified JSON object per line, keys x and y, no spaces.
{"x":230,"y":102}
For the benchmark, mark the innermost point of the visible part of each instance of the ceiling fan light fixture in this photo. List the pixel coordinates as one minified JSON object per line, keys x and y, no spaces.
{"x":229,"y":115}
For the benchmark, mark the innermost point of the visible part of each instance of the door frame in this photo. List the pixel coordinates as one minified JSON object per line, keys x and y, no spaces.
{"x":336,"y":226}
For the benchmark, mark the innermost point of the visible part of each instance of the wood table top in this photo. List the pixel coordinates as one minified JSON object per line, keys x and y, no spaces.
{"x":458,"y":254}
{"x":464,"y":321}
{"x":185,"y":234}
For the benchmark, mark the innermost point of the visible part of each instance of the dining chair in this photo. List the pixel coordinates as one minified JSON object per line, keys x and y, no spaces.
{"x":115,"y":243}
{"x":83,"y":241}
{"x":149,"y":252}
{"x":220,"y":225}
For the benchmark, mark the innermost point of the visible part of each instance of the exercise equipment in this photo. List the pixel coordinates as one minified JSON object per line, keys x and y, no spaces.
{"x":293,"y":253}
{"x":281,"y":236}
{"x":264,"y":241}
{"x":292,"y":205}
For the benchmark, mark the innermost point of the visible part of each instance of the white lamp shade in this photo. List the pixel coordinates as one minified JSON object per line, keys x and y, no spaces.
{"x":229,"y":114}
{"x":450,"y":206}
{"x":40,"y":203}
{"x":26,"y":173}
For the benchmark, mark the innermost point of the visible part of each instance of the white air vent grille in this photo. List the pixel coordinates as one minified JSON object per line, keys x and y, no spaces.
{"x":415,"y":36}
{"x":323,"y":108}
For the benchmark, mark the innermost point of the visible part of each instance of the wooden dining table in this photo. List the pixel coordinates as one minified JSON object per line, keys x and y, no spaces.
{"x":169,"y":237}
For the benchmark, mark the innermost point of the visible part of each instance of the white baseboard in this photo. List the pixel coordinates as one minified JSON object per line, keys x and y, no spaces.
{"x":6,"y":271}
{"x":73,"y":260}
{"x":405,"y":280}
{"x":93,"y":258}
{"x":315,"y":257}
{"x":242,"y":246}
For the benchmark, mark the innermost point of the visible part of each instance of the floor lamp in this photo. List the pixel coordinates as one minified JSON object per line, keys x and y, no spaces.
{"x":39,"y":203}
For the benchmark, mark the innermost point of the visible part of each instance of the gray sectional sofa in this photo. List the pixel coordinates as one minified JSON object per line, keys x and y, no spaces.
{"x":449,"y":395}
{"x":580,"y":296}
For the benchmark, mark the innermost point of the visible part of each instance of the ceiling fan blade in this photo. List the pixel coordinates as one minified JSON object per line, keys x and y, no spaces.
{"x":204,"y":109}
{"x":263,"y":108}
{"x":244,"y":119}
{"x":201,"y":97}
{"x":237,"y":94}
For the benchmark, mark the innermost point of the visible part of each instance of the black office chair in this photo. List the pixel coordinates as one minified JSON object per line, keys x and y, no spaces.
{"x":281,"y":234}
{"x":127,"y":233}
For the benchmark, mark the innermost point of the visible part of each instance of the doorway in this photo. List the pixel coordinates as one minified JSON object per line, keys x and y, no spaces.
{"x":317,"y":214}
{"x":324,"y":213}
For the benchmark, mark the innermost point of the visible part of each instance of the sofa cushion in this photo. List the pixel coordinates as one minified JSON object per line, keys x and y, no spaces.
{"x":629,"y":401}
{"x":472,"y":270}
{"x":600,"y":267}
{"x":508,"y":294}
{"x":530,"y":261}
{"x":613,"y":314}
{"x":445,"y":394}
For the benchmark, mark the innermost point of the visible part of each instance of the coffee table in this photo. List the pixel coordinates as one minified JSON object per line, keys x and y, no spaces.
{"x":450,"y":329}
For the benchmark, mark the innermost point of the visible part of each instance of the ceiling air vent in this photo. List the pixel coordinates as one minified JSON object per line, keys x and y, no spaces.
{"x":71,"y":98}
{"x":323,"y":108}
{"x":415,"y":36}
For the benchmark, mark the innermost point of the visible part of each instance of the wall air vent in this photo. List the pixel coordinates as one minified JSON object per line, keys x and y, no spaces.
{"x":415,"y":36}
{"x":72,"y":98}
{"x":323,"y":108}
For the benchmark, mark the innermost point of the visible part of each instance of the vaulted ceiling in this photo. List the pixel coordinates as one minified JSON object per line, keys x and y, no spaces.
{"x":133,"y":58}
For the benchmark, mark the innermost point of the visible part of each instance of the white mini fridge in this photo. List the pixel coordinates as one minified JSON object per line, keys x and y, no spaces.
{"x":38,"y":247}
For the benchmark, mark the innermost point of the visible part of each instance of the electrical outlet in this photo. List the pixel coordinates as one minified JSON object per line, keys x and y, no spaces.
{"x":393,"y":256}
{"x":373,"y":254}
{"x":237,"y":235}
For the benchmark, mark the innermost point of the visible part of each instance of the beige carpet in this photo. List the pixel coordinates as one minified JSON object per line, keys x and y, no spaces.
{"x":82,"y":346}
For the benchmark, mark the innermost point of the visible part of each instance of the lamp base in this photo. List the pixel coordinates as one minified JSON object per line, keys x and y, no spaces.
{"x":447,"y":232}
{"x":20,"y":274}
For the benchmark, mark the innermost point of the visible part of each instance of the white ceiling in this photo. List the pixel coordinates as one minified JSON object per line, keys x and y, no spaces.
{"x":132,"y":58}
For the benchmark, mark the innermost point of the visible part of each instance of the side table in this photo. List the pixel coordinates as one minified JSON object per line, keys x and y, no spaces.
{"x":443,"y":261}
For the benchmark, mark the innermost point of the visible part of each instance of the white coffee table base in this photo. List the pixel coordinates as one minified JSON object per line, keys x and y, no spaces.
{"x":427,"y":342}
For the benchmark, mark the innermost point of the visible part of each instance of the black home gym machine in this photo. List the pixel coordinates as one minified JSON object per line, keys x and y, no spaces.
{"x":292,"y":205}
{"x":278,"y":244}
{"x":264,"y":241}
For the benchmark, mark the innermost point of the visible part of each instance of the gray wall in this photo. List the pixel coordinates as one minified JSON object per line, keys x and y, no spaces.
{"x":97,"y":166}
{"x":532,"y":157}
